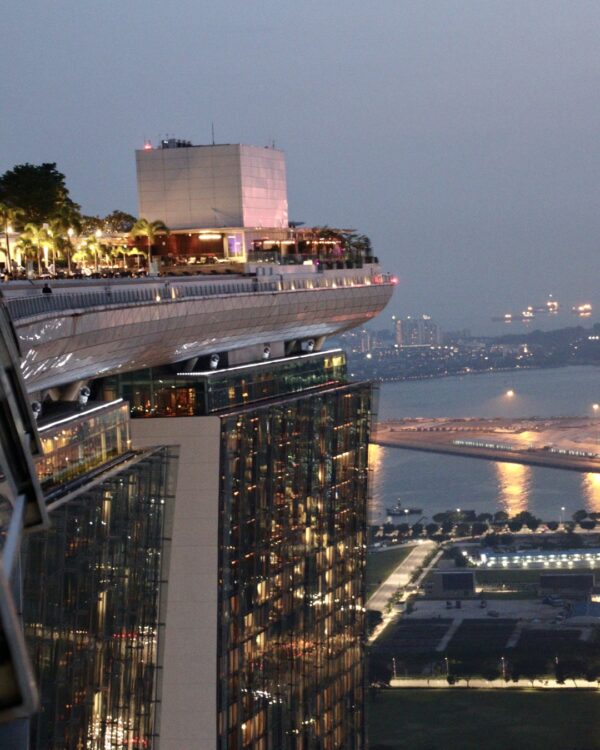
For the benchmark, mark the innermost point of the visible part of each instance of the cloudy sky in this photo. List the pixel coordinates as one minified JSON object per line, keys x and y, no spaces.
{"x":461,"y":135}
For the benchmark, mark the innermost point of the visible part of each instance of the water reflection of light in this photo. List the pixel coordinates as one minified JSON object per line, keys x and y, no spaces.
{"x":590,"y":486}
{"x":514,"y":484}
{"x":376,"y":460}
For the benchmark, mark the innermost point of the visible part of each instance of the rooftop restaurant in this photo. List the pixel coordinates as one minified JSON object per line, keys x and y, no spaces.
{"x":188,"y":252}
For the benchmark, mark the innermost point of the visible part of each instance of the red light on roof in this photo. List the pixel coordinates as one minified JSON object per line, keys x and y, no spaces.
{"x":147,"y":147}
{"x":394,"y":279}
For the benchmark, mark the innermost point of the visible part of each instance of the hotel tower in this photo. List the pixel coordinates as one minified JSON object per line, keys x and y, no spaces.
{"x":202,"y":459}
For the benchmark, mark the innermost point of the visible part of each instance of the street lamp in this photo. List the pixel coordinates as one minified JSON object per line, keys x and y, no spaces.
{"x":562,"y":511}
{"x":510,"y":393}
{"x":503,"y":667}
{"x":595,"y":407}
{"x":447,"y":666}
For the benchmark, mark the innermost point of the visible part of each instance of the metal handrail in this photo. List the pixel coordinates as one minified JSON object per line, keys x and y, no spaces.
{"x":111,"y":296}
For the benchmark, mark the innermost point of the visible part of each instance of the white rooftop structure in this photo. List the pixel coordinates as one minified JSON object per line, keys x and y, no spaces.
{"x":232,"y":185}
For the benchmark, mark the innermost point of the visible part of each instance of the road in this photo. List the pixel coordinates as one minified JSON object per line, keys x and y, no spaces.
{"x":526,"y":439}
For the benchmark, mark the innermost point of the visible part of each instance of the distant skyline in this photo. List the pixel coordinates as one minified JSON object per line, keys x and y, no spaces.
{"x":461,"y":136}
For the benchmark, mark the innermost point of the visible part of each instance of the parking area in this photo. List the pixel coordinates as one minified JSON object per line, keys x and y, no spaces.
{"x":528,"y":610}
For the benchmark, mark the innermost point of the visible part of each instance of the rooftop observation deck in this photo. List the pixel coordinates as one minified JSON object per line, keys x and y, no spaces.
{"x":87,"y":329}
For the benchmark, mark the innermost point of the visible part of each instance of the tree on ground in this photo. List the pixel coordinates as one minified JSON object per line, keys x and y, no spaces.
{"x":91,"y":224}
{"x":552,"y":525}
{"x":529,"y":666}
{"x":579,"y":515}
{"x":40,"y":191}
{"x":489,"y":671}
{"x":118,"y":222}
{"x":588,"y":524}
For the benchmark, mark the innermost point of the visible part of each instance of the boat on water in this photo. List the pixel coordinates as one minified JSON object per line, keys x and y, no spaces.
{"x":398,"y":510}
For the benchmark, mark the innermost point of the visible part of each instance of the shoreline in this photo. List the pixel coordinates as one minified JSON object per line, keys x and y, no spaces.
{"x":499,"y":370}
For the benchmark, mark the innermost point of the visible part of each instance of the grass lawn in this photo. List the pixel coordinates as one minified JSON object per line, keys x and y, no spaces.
{"x":483,"y":720}
{"x":380,"y":565}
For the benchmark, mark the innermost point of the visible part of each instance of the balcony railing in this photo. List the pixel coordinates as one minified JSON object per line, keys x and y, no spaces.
{"x":167,"y":292}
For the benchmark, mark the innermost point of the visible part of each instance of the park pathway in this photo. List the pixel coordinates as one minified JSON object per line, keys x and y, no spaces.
{"x":401,"y":575}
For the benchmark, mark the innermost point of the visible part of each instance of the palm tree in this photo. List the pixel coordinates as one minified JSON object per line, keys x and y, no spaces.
{"x":64,"y":226}
{"x":26,"y":249}
{"x":82,"y":255}
{"x":37,"y":237}
{"x":115,"y":252}
{"x":93,"y":247}
{"x":148,"y":229}
{"x":8,"y":218}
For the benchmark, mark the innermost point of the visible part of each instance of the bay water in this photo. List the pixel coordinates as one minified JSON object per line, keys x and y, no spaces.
{"x":436,"y":483}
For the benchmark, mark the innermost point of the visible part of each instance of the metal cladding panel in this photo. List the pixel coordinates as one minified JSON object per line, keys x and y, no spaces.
{"x":264,"y":187}
{"x":76,"y":345}
{"x":213,"y":186}
{"x":190,"y":187}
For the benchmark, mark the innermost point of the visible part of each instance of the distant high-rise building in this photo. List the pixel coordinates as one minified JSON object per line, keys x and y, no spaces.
{"x":420,"y":331}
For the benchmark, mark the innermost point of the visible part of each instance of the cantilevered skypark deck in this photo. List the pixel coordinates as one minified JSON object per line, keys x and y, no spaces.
{"x":87,"y":329}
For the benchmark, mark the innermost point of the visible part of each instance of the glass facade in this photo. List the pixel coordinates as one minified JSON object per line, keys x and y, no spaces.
{"x":82,"y":441}
{"x":94,"y":635}
{"x":156,"y":393}
{"x":292,"y":537}
{"x":292,"y":554}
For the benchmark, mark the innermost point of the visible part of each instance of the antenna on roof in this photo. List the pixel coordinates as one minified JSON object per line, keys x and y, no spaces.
{"x":212,"y":128}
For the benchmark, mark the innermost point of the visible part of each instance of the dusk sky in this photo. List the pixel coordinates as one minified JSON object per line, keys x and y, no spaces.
{"x":463,"y":137}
